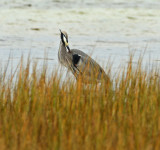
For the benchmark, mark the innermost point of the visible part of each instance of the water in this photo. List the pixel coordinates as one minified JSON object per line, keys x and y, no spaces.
{"x":105,"y":29}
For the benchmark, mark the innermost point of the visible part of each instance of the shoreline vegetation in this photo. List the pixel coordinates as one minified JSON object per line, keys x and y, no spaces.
{"x":37,"y":111}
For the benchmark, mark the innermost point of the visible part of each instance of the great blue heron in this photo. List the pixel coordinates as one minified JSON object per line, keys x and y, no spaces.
{"x":80,"y":64}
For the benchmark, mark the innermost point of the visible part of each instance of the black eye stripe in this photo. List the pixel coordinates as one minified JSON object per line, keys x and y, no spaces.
{"x":66,"y":38}
{"x":62,"y":35}
{"x":62,"y":38}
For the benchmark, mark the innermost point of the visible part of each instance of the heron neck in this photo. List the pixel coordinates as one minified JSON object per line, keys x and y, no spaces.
{"x":62,"y":48}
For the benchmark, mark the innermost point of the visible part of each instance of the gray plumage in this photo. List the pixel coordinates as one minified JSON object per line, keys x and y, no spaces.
{"x":79,"y":63}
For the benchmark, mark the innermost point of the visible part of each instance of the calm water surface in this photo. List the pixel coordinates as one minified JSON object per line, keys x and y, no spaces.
{"x":105,"y":29}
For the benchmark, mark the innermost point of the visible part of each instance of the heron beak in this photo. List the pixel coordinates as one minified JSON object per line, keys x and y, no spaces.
{"x":67,"y":45}
{"x":60,"y":30}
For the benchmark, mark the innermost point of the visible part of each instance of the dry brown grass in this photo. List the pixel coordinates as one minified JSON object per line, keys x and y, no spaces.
{"x":36,"y":112}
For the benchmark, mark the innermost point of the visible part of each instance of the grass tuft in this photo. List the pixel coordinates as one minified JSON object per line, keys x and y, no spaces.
{"x":38,"y":111}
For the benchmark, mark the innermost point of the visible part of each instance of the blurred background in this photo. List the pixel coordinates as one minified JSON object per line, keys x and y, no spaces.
{"x":105,"y":29}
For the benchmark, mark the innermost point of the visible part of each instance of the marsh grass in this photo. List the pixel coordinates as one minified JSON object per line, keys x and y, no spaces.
{"x":37,"y":111}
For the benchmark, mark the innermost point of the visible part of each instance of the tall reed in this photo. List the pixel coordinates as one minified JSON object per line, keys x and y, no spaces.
{"x":38,"y":111}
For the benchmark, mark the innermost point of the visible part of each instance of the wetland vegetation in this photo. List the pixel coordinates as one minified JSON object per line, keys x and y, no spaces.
{"x":37,"y":111}
{"x":41,"y":109}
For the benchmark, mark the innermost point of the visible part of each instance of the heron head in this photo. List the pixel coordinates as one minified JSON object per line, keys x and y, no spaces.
{"x":64,"y":39}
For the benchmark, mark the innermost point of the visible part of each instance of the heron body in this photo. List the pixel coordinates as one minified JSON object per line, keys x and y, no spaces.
{"x":80,"y":64}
